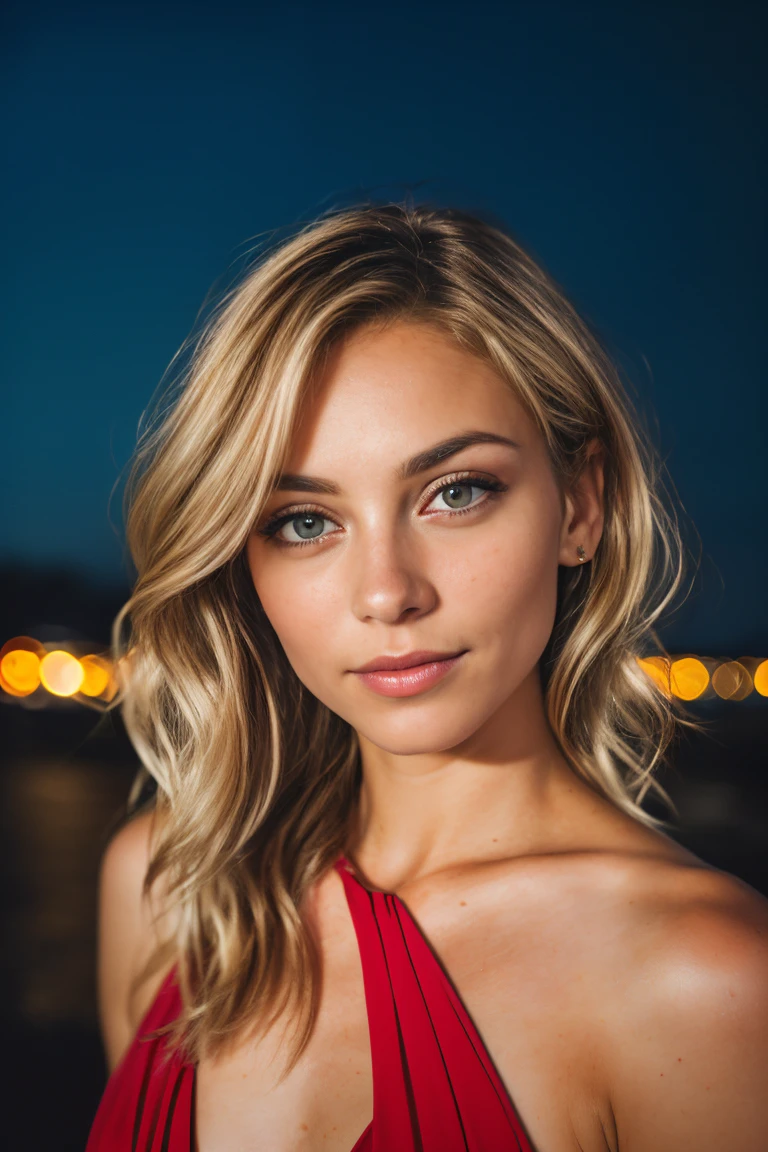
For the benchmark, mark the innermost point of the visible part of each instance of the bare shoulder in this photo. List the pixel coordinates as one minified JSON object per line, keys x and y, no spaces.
{"x":130,"y":928}
{"x":706,"y":936}
{"x":687,"y":1030}
{"x":684,"y":913}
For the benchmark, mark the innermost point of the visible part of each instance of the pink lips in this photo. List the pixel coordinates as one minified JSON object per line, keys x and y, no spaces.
{"x":383,"y":675}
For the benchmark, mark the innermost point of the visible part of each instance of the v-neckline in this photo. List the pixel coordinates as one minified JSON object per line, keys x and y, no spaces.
{"x":436,"y":970}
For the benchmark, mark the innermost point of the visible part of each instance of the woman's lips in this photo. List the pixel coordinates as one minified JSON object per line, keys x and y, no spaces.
{"x":408,"y":681}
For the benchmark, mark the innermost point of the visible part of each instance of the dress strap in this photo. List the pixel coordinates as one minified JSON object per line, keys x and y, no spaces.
{"x":435,"y":1088}
{"x":148,"y":1103}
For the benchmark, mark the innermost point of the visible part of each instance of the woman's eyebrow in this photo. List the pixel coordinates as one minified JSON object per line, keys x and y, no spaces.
{"x":293,"y":482}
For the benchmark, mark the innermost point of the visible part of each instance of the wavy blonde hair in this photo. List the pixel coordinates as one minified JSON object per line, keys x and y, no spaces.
{"x":256,"y":779}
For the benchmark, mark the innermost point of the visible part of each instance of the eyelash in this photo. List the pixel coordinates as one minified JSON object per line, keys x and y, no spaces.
{"x":492,"y":487}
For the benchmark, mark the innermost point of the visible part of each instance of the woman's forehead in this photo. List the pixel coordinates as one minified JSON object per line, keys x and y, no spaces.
{"x":399,"y":389}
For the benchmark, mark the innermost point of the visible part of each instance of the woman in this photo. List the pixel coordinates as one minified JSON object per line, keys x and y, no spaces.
{"x":399,"y":546}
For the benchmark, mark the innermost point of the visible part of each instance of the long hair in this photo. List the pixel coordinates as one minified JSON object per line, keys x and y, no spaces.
{"x":257,"y":779}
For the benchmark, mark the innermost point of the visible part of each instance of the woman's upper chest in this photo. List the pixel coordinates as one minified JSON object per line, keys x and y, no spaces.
{"x":538,"y":964}
{"x":247,"y":1099}
{"x":528,"y":987}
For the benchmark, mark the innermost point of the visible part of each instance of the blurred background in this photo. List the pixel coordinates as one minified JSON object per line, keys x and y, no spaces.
{"x":151,"y":149}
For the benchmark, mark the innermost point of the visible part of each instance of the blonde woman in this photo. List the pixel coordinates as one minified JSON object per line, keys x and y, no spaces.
{"x":400,"y":543}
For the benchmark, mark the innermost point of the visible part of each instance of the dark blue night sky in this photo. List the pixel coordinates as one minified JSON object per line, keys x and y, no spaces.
{"x":149,"y":147}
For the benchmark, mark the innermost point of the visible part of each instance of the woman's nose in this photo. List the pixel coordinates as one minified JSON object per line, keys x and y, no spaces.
{"x":390,"y":581}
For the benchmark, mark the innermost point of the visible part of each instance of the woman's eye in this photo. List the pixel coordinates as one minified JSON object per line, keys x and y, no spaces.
{"x":305,"y":526}
{"x":459,"y":494}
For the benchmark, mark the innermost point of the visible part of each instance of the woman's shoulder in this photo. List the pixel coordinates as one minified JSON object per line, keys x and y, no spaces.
{"x":662,"y":961}
{"x":685,"y":923}
{"x":704,"y":927}
{"x":660,"y":911}
{"x":684,"y":903}
{"x":131,"y":928}
{"x":685,"y":1008}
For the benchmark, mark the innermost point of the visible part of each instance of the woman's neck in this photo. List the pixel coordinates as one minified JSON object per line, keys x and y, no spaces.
{"x":508,"y":791}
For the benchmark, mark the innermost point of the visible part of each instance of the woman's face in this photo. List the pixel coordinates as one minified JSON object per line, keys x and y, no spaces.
{"x":380,"y":547}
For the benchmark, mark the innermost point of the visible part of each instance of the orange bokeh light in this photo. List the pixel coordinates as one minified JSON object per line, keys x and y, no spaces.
{"x":732,"y":681}
{"x":61,"y":673}
{"x":97,"y":675}
{"x":20,"y":671}
{"x":19,"y":665}
{"x":688,"y":678}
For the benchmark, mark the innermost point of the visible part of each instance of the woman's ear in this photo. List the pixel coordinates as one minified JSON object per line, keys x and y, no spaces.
{"x":584,"y":511}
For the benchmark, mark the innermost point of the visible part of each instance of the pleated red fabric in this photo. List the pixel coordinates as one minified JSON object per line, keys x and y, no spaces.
{"x":148,"y":1103}
{"x":435,"y":1088}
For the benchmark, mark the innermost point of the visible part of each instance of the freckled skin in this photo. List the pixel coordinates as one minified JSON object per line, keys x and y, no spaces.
{"x":594,"y":950}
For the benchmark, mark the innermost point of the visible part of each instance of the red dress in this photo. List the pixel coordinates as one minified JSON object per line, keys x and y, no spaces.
{"x":435,"y":1088}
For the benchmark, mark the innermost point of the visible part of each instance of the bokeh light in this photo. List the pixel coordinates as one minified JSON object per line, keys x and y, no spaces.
{"x":20,"y":670}
{"x":760,"y":678}
{"x":20,"y":665}
{"x":688,"y":678}
{"x":732,"y":681}
{"x":61,"y":673}
{"x":96,"y":676}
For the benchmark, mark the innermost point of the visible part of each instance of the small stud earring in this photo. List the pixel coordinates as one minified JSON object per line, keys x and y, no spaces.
{"x":581,"y":554}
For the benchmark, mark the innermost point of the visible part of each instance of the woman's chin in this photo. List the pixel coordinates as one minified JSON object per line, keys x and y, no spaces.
{"x":417,"y":736}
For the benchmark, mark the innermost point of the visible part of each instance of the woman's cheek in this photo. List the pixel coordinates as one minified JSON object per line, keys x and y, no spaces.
{"x":305,"y":615}
{"x":514,"y":595}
